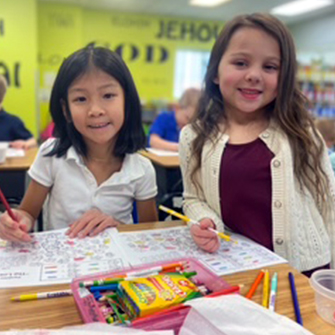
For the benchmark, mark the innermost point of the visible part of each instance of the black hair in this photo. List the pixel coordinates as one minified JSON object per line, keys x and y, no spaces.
{"x":131,"y":137}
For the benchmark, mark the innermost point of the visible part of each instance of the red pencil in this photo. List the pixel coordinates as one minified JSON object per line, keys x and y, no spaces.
{"x":230,"y":290}
{"x":8,"y":209}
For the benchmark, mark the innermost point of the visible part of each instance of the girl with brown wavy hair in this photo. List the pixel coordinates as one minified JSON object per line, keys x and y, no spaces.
{"x":252,"y":159}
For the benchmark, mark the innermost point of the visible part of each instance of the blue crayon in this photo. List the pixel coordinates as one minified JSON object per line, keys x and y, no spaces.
{"x":111,"y":287}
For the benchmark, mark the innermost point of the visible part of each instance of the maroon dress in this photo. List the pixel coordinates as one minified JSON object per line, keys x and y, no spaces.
{"x":246,"y":192}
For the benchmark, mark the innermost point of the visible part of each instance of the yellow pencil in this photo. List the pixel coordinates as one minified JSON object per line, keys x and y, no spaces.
{"x":266,"y":288}
{"x":190,"y":221}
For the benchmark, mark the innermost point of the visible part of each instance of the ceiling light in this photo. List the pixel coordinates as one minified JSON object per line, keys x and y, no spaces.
{"x":207,"y":3}
{"x":300,"y":7}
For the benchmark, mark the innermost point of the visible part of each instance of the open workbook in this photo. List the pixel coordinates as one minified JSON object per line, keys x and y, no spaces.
{"x":54,"y":258}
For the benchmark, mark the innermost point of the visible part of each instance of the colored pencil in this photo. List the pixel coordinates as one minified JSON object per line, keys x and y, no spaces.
{"x":155,"y":270}
{"x":255,"y":285}
{"x":5,"y":203}
{"x":43,"y":295}
{"x":273,"y":293}
{"x":233,"y":289}
{"x":266,"y":288}
{"x":295,"y":298}
{"x":190,"y":221}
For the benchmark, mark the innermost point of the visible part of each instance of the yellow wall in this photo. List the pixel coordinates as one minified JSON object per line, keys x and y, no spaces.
{"x":149,"y":54}
{"x":60,"y":30}
{"x":18,"y":58}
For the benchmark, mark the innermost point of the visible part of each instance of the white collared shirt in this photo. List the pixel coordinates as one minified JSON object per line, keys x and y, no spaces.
{"x":74,"y":189}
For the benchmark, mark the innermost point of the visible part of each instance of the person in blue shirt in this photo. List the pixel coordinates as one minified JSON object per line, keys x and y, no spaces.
{"x":164,"y":132}
{"x":12,"y":129}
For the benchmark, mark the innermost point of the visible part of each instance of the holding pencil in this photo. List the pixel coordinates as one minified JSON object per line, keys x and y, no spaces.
{"x":191,"y":222}
{"x":6,"y":204}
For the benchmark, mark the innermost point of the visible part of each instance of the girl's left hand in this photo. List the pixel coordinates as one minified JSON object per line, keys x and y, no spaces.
{"x":91,"y":223}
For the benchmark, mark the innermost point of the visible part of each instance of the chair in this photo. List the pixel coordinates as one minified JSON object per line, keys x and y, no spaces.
{"x":172,"y":200}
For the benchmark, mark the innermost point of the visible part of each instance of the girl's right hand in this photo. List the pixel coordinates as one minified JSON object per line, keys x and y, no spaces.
{"x":204,"y":238}
{"x":16,"y":231}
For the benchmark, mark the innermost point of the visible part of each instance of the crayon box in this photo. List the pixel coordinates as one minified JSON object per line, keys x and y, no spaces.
{"x":90,"y":308}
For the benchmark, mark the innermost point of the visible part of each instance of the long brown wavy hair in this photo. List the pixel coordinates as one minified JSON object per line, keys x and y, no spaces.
{"x":288,"y":109}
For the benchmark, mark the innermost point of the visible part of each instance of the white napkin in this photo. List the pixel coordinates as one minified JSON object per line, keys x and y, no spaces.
{"x":235,"y":315}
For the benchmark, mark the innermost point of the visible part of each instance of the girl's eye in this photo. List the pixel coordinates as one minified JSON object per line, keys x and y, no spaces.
{"x":271,"y":67}
{"x":240,"y":63}
{"x":109,"y":95}
{"x":79,"y":99}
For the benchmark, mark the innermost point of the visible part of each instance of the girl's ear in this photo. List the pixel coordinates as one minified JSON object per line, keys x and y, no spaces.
{"x":63,"y":104}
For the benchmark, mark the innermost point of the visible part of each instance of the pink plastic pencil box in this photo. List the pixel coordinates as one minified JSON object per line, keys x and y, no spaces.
{"x":90,"y":311}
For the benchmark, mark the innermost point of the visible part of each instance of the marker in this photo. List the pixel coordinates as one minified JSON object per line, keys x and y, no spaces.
{"x":273,"y":293}
{"x":190,"y":221}
{"x":44,"y":295}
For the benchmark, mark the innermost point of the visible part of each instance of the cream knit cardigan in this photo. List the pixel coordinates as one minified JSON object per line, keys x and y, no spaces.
{"x":303,"y":233}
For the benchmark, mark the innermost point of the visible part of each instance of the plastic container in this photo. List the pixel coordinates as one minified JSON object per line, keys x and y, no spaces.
{"x":323,"y":283}
{"x":90,"y":312}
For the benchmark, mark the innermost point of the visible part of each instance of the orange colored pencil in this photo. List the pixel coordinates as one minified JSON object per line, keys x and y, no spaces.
{"x":255,"y":285}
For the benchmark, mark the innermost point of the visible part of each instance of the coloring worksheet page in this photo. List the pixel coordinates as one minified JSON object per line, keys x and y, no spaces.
{"x":54,"y":258}
{"x":164,"y":244}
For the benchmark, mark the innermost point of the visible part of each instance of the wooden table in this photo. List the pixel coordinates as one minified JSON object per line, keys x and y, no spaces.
{"x":61,"y":312}
{"x":167,"y":162}
{"x":19,"y":163}
{"x":13,"y":175}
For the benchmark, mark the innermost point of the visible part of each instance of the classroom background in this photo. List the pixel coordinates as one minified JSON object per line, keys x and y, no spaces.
{"x":166,"y":45}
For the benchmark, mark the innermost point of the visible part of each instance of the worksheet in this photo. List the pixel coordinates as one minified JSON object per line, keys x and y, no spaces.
{"x":163,"y":244}
{"x":53,"y":258}
{"x":163,"y":153}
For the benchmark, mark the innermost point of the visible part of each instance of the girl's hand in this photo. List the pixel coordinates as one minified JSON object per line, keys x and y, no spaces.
{"x":16,"y":231}
{"x":91,"y":223}
{"x":204,"y":238}
{"x":19,"y":144}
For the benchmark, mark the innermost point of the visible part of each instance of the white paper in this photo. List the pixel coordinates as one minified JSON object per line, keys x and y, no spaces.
{"x":235,"y":315}
{"x":11,"y":152}
{"x":87,"y":329}
{"x":164,"y":244}
{"x":162,"y":152}
{"x":54,"y":258}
